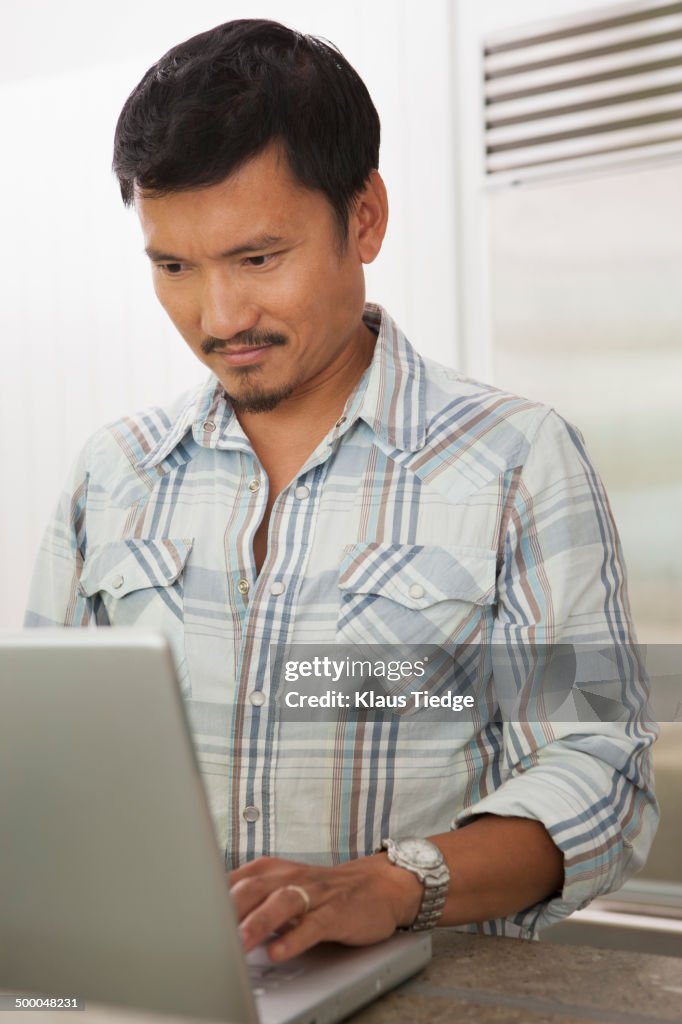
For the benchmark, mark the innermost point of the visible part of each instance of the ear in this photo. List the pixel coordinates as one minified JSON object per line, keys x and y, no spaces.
{"x":369,"y":217}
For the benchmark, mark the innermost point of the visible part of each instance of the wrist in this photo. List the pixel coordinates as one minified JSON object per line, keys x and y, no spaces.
{"x":403,"y":889}
{"x":425,"y":861}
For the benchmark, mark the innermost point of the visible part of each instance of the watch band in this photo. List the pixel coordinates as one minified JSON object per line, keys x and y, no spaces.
{"x":426,"y":861}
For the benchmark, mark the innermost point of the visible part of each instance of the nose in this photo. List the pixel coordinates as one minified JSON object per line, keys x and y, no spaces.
{"x":226,"y":309}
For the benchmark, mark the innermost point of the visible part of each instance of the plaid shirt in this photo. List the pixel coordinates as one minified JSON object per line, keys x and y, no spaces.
{"x":436,"y":510}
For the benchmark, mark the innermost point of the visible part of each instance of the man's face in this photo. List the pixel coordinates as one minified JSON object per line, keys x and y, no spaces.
{"x":252,"y":273}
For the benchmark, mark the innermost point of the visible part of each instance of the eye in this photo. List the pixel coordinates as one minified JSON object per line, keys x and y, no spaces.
{"x":260,"y":261}
{"x":170,"y":269}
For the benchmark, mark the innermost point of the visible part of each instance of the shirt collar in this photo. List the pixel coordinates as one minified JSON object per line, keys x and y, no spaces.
{"x":209,"y":416}
{"x":393,"y":402}
{"x":390,"y":399}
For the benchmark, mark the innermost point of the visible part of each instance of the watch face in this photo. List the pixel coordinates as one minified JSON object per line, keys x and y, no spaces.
{"x":419,"y":852}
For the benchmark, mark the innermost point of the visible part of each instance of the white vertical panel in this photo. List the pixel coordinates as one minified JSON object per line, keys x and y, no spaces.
{"x":473,"y":21}
{"x":81,"y":337}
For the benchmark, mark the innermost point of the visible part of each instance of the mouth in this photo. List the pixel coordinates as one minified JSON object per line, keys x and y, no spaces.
{"x":243,"y":355}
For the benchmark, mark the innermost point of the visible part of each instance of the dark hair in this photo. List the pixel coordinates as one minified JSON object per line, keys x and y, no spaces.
{"x":218,"y":99}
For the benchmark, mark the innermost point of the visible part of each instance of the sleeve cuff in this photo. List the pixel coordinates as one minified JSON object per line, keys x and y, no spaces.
{"x":595,"y":855}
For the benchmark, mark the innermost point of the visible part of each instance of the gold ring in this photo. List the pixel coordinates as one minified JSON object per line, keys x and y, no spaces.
{"x":302,"y":893}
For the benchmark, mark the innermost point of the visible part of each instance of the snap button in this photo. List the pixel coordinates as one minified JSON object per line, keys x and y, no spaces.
{"x":257,"y":698}
{"x":416,"y":590}
{"x":277,"y":588}
{"x":117,"y":582}
{"x":209,"y":426}
{"x":243,"y":586}
{"x":254,"y":484}
{"x":251,"y":814}
{"x":302,"y":492}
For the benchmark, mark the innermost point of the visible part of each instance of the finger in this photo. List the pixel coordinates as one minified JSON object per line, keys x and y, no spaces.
{"x":254,"y":868}
{"x":279,"y":909}
{"x":249,"y":893}
{"x":275,"y":866}
{"x":316,"y":926}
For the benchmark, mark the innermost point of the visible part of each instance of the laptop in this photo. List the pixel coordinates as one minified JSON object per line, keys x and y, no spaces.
{"x":112,"y":887}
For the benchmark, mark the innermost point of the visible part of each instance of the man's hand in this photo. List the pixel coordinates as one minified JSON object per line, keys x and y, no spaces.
{"x":497,"y":865}
{"x":357,"y":903}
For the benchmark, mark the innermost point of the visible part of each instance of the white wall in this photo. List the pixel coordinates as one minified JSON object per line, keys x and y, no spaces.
{"x":81,"y":339}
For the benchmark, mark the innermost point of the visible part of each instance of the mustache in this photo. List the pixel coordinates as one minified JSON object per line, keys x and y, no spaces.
{"x":250,"y":339}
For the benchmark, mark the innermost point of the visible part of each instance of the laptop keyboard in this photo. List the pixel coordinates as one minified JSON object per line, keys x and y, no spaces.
{"x":266,"y":976}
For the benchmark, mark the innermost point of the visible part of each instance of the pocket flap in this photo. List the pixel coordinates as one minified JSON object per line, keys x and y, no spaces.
{"x":122,"y":566}
{"x":419,"y":575}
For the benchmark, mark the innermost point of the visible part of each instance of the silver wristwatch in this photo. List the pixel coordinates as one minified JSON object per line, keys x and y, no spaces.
{"x":424,"y":860}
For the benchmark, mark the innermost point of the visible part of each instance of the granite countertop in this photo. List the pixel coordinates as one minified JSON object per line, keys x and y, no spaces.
{"x":484,"y":979}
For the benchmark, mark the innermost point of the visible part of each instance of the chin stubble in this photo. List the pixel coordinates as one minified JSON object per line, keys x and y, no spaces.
{"x":251,"y":398}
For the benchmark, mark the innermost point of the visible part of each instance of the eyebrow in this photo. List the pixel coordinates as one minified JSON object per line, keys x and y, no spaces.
{"x":253,"y":245}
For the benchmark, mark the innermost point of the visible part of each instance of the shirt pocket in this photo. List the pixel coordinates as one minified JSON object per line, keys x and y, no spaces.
{"x":140,"y":583}
{"x":414,"y":593}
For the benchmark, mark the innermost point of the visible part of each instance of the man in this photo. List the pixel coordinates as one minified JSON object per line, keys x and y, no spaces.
{"x":329,"y":485}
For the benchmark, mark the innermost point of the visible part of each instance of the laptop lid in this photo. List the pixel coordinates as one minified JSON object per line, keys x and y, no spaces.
{"x":95,"y":749}
{"x":112,"y":887}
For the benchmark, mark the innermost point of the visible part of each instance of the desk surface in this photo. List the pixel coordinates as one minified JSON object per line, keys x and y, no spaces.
{"x":485,"y":980}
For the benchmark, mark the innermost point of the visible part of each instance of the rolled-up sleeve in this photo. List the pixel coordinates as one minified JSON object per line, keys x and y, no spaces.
{"x":562,"y":582}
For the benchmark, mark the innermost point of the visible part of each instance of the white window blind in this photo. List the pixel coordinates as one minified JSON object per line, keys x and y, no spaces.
{"x":605,"y":84}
